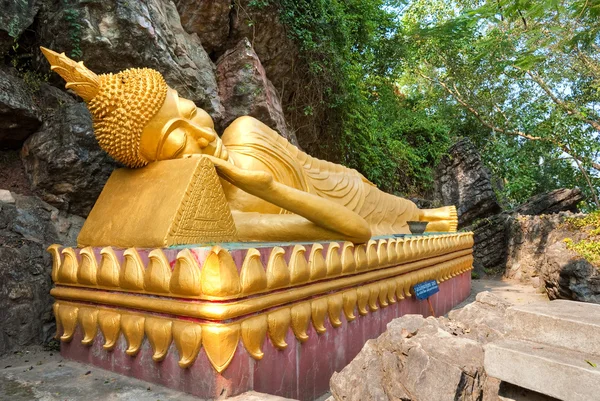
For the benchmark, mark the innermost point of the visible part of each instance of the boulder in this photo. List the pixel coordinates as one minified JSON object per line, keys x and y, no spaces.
{"x":15,"y":17}
{"x":208,"y":19}
{"x":491,"y":237}
{"x":27,"y":227}
{"x":19,"y":115}
{"x":418,"y":359}
{"x":537,"y":254}
{"x":112,"y":36}
{"x":65,"y":165}
{"x":462,"y":180}
{"x":559,"y":200}
{"x":245,"y":90}
{"x":567,"y":275}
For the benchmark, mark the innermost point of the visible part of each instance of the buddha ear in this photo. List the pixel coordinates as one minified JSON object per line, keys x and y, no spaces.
{"x":79,"y":78}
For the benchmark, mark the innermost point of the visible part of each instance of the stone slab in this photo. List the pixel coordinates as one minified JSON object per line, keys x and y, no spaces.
{"x":560,"y":323}
{"x":548,"y":370}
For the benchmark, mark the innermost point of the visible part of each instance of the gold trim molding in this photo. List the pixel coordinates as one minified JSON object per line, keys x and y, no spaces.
{"x":220,"y":340}
{"x":217,"y":277}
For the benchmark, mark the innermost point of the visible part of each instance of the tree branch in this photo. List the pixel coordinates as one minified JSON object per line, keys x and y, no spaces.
{"x":456,"y":95}
{"x":562,"y":104}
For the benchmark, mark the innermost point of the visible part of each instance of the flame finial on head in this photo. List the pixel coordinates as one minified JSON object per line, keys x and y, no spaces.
{"x":121,"y":104}
{"x":83,"y":81}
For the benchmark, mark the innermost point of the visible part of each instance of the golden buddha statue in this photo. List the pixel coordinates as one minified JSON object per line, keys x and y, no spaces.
{"x":275,"y":191}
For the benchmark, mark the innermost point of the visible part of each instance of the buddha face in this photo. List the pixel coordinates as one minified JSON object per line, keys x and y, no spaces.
{"x":178,"y":129}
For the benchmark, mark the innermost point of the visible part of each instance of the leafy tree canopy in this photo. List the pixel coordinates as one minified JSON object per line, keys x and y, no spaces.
{"x":402,"y":79}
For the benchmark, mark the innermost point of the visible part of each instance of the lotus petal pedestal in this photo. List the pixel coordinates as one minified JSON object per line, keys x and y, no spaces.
{"x":216,"y":321}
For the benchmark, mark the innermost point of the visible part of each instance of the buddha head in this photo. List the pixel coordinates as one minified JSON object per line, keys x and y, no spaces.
{"x":137,"y":117}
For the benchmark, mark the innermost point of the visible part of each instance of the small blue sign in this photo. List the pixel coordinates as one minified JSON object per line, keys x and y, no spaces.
{"x":426,"y":289}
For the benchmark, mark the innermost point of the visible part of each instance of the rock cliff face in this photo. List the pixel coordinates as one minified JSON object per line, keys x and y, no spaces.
{"x":462,"y":180}
{"x":537,"y":253}
{"x":27,"y":227}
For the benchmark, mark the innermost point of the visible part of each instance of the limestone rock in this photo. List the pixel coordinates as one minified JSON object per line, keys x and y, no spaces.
{"x":27,"y":227}
{"x":245,"y":90}
{"x":462,"y":180}
{"x":19,"y":115}
{"x":15,"y":17}
{"x":263,"y":28}
{"x":491,"y":236}
{"x":208,"y":19}
{"x":116,"y":35}
{"x":566,"y":275}
{"x":536,"y":250}
{"x":417,"y":359}
{"x":64,"y":162}
{"x":12,"y":173}
{"x":559,"y":200}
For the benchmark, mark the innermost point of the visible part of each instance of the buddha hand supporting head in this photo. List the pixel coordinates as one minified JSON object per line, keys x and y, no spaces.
{"x":137,"y":118}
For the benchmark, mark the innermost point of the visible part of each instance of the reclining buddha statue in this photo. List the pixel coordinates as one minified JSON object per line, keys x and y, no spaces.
{"x":274,"y":191}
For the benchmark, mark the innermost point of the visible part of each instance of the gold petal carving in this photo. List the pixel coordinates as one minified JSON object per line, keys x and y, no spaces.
{"x":279,"y":323}
{"x":67,"y":273}
{"x":278,"y":274}
{"x":349,"y":298}
{"x":188,"y":340}
{"x":300,"y":319}
{"x":299,"y":272}
{"x":373,"y":296}
{"x":362,"y":294}
{"x":383,"y":293}
{"x":159,"y":333}
{"x":132,"y":274}
{"x":108,"y":273}
{"x":382,"y":253}
{"x":334,"y":308}
{"x":220,"y":343}
{"x":68,"y":318}
{"x":360,"y":256}
{"x":133,"y":329}
{"x":220,"y":277}
{"x":109,"y":323}
{"x":89,"y":267}
{"x":88,"y":321}
{"x":158,"y":272}
{"x":391,"y":250}
{"x":186,"y":275}
{"x":254,"y":332}
{"x":399,"y":282}
{"x":54,"y":250}
{"x":319,"y":310}
{"x":372,"y":257}
{"x":316,"y":263}
{"x":253,"y":277}
{"x":334,"y":263}
{"x":391,"y":291}
{"x":348,"y":258}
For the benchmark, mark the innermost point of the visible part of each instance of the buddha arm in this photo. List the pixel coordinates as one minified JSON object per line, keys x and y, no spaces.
{"x":330,"y":216}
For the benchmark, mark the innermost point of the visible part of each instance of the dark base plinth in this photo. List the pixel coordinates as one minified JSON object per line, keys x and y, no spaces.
{"x":302,"y":370}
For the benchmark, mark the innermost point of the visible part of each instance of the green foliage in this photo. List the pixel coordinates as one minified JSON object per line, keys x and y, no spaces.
{"x":353,"y":64}
{"x":588,"y":248}
{"x":74,"y":27}
{"x":519,"y":78}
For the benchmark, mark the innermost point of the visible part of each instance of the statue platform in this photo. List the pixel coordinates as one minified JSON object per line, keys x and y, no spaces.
{"x":216,"y":321}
